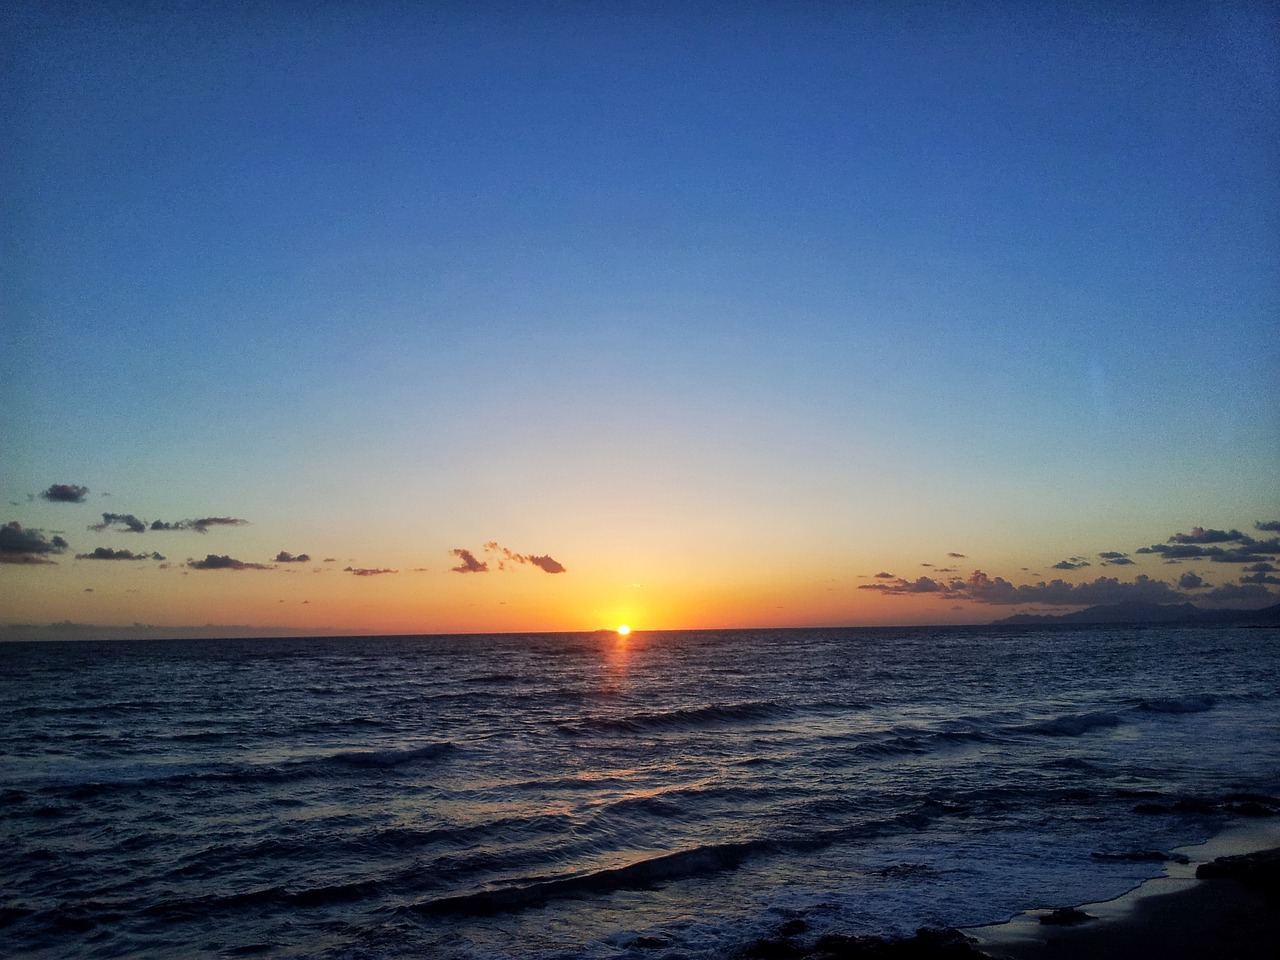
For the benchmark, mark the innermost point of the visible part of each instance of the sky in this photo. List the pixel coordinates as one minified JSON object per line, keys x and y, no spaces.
{"x":555,"y":315}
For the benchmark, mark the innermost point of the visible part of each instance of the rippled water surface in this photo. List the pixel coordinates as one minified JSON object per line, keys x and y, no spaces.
{"x":591,"y":796}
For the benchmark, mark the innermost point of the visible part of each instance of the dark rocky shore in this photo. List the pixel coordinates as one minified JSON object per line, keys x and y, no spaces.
{"x":1231,"y":911}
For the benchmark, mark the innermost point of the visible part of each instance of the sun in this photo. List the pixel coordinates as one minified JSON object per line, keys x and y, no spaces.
{"x":623,"y":630}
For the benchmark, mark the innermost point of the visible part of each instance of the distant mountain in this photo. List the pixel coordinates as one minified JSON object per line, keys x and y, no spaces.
{"x":1138,"y":612}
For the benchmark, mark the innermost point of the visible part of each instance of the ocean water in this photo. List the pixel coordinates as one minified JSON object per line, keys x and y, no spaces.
{"x":587,"y":796}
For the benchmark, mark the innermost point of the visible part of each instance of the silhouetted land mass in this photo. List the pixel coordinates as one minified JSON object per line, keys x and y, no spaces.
{"x":1162,"y":613}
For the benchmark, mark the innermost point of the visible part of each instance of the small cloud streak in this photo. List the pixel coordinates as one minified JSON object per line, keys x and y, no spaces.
{"x":1114,"y":558}
{"x":106,"y":553}
{"x":285,"y":556}
{"x":201,"y":525}
{"x":367,"y":571}
{"x":1073,"y":563}
{"x":215,"y":562}
{"x":65,"y":493}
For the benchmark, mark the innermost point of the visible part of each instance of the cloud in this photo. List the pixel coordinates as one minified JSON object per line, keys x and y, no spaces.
{"x":199,"y":526}
{"x":900,"y":586}
{"x":1232,"y":593}
{"x":18,"y":545}
{"x":981,"y":588}
{"x":106,"y":553}
{"x":215,"y":562}
{"x":367,"y":571}
{"x":122,"y":522}
{"x":65,"y":493}
{"x":285,"y":557}
{"x":956,"y":556}
{"x":1272,"y":525}
{"x":1114,"y":558}
{"x":1259,"y":578}
{"x":1201,"y":535}
{"x":1059,"y":593}
{"x":469,"y":563}
{"x":545,"y":563}
{"x":885,"y":576}
{"x":1190,"y":581}
{"x":1074,"y":563}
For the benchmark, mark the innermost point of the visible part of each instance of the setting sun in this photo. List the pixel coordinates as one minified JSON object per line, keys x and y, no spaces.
{"x":623,"y":630}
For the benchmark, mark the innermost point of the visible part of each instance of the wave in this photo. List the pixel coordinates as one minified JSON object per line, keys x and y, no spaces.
{"x":688,"y":718}
{"x":250,"y":774}
{"x":391,"y":758}
{"x":640,"y":875}
{"x":1072,"y":724}
{"x":1181,"y":705}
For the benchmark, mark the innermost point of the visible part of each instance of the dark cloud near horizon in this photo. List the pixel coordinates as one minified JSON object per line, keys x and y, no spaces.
{"x":29,"y":545}
{"x":106,"y":553}
{"x":1234,"y":593}
{"x":215,"y":562}
{"x":65,"y":493}
{"x":981,"y":588}
{"x":1272,"y":526}
{"x":1191,"y":581}
{"x":284,"y":556}
{"x":1250,"y":552}
{"x":1259,"y":578}
{"x":122,"y":522}
{"x":469,"y":562}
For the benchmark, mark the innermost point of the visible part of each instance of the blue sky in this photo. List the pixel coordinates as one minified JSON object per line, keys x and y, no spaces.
{"x":738,"y":299}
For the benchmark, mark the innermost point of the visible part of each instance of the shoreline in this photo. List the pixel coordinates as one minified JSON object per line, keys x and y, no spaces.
{"x":1233,"y":912}
{"x":1222,"y":903}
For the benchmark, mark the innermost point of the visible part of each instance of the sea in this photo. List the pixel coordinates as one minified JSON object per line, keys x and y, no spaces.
{"x":658,"y":796}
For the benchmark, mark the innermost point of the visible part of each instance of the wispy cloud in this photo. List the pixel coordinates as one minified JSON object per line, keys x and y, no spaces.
{"x":201,"y":525}
{"x":469,"y":563}
{"x":29,"y":546}
{"x":65,"y":493}
{"x":542,"y":562}
{"x":368,"y":571}
{"x":121,"y":523}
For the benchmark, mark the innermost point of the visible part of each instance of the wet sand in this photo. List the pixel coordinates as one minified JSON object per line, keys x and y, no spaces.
{"x":1223,"y":904}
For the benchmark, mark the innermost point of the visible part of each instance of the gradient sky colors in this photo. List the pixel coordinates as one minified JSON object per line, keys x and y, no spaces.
{"x":725,"y":309}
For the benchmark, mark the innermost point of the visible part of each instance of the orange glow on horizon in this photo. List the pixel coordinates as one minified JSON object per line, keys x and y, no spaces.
{"x":623,"y":630}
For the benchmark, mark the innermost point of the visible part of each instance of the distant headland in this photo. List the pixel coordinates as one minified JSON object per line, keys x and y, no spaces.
{"x":1139,"y":612}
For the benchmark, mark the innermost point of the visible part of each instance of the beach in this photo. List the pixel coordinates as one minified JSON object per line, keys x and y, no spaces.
{"x":1222,"y":903}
